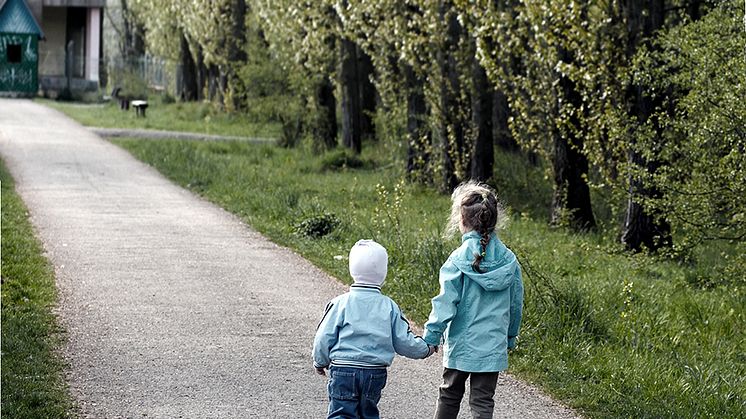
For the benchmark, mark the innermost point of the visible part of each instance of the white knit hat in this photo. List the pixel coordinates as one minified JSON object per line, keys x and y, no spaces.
{"x":368,"y":263}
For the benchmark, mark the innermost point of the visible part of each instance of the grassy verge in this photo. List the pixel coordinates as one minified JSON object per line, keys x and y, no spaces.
{"x":611,"y":334}
{"x":189,"y":117}
{"x":32,"y":384}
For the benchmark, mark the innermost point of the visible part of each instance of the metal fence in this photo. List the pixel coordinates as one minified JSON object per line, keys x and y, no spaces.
{"x":145,"y":72}
{"x":63,"y":63}
{"x":139,"y":75}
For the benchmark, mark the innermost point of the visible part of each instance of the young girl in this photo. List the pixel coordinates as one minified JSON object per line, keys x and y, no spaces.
{"x":478,"y":311}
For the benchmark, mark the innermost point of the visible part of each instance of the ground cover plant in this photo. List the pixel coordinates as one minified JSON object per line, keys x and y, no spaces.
{"x":610,"y":333}
{"x":32,"y":384}
{"x":201,"y":118}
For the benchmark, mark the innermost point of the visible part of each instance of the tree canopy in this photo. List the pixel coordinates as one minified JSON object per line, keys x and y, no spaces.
{"x":640,"y":98}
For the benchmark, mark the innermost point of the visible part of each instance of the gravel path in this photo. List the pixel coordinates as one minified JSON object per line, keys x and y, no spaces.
{"x":173,"y":307}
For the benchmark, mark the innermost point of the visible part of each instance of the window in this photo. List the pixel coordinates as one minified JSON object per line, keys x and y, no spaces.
{"x":14,"y":53}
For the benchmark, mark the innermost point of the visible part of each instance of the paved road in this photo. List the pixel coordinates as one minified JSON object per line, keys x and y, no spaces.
{"x":173,"y":307}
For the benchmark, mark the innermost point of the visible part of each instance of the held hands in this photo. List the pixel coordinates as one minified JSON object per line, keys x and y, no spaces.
{"x":320,"y":371}
{"x":431,"y":350}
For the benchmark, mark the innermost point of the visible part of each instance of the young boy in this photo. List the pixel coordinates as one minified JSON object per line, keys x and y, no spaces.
{"x":358,"y":336}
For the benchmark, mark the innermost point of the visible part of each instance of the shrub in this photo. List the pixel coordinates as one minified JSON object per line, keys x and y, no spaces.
{"x":317,"y":226}
{"x":341,"y":159}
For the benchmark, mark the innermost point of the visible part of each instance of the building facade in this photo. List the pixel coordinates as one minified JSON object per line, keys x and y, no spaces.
{"x":72,"y":49}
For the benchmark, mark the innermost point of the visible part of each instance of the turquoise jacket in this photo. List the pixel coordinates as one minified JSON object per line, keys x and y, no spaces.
{"x":364,"y":328}
{"x":477,"y":316}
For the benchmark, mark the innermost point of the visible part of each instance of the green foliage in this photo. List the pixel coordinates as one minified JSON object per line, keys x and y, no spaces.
{"x":625,"y":336}
{"x":541,"y":54}
{"x":129,"y":82}
{"x":342,"y":159}
{"x":612,"y":334}
{"x":167,"y":99}
{"x":32,"y":380}
{"x":566,"y":67}
{"x":317,"y":225}
{"x":265,"y":85}
{"x":703,"y":66}
{"x":302,"y":40}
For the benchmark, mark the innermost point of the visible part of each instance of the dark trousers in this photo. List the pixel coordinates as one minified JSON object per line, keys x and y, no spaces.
{"x":482,"y":391}
{"x":355,"y":392}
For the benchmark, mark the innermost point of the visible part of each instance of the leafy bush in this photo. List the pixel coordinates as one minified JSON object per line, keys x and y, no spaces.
{"x":167,"y":98}
{"x":704,"y":178}
{"x":129,"y":82}
{"x":341,"y":159}
{"x":317,"y":225}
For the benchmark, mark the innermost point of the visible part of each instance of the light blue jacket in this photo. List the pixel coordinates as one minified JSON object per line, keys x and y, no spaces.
{"x":477,"y":316}
{"x":364,"y":328}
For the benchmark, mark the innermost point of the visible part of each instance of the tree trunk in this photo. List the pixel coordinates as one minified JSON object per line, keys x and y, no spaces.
{"x":138,"y":43}
{"x":236,"y":50}
{"x":351,"y":106}
{"x":126,"y":35}
{"x":201,"y":74}
{"x":642,"y":226}
{"x":418,"y":135}
{"x":694,"y":9}
{"x":325,"y":127}
{"x":571,"y":199}
{"x":213,"y":83}
{"x":133,"y":45}
{"x":450,"y":128}
{"x":500,"y":116}
{"x":483,"y":152}
{"x":189,"y":86}
{"x":233,"y":85}
{"x":368,"y":95}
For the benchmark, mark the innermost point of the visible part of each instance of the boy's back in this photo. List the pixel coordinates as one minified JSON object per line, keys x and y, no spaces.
{"x":364,"y":328}
{"x":359,"y":335}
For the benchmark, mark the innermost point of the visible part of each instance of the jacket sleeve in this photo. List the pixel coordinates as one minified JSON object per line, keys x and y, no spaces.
{"x":516,"y":308}
{"x":444,"y":304}
{"x":326,"y":336}
{"x":405,"y":342}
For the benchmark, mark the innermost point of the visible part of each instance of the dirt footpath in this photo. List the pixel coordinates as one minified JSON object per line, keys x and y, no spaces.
{"x":173,"y":307}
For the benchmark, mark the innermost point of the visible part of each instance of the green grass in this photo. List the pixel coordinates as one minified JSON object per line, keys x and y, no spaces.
{"x":32,"y":383}
{"x":611,"y":334}
{"x":196,"y":117}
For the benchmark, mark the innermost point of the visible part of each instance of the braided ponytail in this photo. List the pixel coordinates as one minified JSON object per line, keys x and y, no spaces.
{"x":483,"y":221}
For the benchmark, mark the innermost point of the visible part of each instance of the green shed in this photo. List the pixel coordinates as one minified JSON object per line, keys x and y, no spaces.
{"x":19,"y":49}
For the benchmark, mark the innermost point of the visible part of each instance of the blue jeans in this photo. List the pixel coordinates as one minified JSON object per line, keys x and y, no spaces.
{"x":355,"y":392}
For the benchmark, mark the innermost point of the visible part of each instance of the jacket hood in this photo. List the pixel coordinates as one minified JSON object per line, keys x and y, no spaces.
{"x":499,"y":264}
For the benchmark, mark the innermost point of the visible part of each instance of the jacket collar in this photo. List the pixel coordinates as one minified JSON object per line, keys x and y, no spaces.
{"x":365,"y":288}
{"x":470,"y":234}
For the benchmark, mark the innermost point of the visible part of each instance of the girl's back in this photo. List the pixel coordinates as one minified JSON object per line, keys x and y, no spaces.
{"x":473,"y":311}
